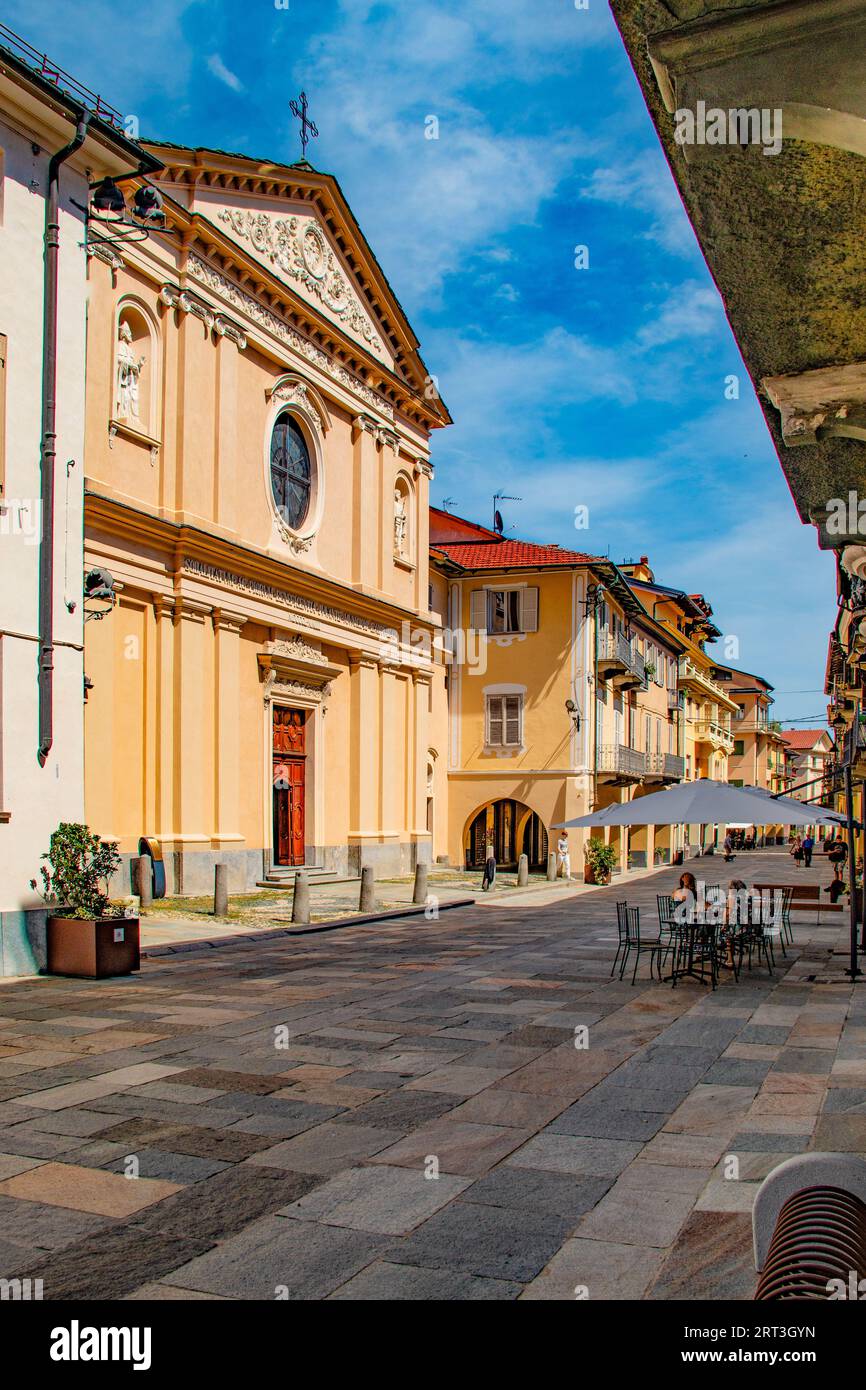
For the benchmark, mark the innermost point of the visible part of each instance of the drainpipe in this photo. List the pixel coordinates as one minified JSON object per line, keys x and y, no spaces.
{"x":49,"y":439}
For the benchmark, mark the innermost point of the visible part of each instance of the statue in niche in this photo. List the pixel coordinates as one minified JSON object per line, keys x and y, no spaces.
{"x":128,"y":374}
{"x":399,"y":522}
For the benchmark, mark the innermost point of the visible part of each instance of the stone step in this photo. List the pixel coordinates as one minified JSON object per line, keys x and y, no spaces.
{"x":284,"y":877}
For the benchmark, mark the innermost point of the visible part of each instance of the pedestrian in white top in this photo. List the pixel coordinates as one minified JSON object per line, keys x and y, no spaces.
{"x":563,"y":856}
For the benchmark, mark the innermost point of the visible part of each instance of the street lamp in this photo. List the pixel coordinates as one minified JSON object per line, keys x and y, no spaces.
{"x":574,"y":712}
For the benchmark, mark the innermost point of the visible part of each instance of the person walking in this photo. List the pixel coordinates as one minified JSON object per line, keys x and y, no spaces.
{"x":808,"y":846}
{"x":728,"y":847}
{"x":796,"y":851}
{"x":489,"y":878}
{"x":563,"y":856}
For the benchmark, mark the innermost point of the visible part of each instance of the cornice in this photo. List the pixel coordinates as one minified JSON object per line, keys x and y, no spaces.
{"x":122,"y":522}
{"x":204,"y":273}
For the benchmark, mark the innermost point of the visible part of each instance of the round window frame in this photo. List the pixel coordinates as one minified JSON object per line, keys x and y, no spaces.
{"x":292,"y":426}
{"x":310,"y":426}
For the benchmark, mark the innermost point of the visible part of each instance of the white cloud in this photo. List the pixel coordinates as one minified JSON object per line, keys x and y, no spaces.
{"x":219,"y":70}
{"x":689,"y":310}
{"x":645,"y":183}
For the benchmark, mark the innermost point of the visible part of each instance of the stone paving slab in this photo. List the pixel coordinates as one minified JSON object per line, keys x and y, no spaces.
{"x":289,"y":1102}
{"x":307,"y":1259}
{"x":86,"y":1189}
{"x":386,"y":1201}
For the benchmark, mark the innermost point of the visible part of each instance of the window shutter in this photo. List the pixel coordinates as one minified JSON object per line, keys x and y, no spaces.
{"x":529,"y":610}
{"x":512,"y":720}
{"x":494,"y":721}
{"x":478,"y":610}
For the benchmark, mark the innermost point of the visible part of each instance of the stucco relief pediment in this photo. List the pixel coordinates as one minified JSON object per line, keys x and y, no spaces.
{"x":296,"y":248}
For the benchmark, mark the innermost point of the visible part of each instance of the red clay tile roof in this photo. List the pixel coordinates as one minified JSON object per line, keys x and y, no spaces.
{"x":512,"y":555}
{"x":803,"y":738}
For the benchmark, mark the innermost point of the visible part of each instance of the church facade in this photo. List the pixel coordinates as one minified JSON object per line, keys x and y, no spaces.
{"x":257,"y":473}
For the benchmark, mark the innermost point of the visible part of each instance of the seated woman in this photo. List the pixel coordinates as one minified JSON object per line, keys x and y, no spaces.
{"x":736,"y":916}
{"x":686,"y":895}
{"x":736,"y":909}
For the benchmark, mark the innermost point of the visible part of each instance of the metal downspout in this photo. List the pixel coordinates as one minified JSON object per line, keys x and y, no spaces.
{"x":49,"y":439}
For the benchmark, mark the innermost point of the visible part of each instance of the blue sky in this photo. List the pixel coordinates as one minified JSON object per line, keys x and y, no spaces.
{"x":601,"y":387}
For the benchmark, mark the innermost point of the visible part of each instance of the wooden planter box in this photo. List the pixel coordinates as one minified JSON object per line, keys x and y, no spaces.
{"x":93,"y":949}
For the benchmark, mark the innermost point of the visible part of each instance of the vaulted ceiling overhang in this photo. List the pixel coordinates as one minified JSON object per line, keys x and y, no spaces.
{"x":782,"y":232}
{"x":408,"y":386}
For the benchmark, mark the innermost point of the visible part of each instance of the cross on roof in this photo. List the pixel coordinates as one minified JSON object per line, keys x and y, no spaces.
{"x":309,"y":129}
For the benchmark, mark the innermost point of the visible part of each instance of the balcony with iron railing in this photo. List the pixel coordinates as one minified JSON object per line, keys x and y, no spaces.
{"x":665,"y":767}
{"x":853,"y":749}
{"x":623,"y":764}
{"x":619,"y":661}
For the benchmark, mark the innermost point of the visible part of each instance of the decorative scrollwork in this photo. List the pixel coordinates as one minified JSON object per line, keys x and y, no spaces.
{"x":297,"y":247}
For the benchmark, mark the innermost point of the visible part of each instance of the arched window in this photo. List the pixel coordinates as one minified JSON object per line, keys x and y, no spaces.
{"x":291,"y":472}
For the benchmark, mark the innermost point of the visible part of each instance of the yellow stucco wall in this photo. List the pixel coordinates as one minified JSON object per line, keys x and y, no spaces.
{"x":225,"y":613}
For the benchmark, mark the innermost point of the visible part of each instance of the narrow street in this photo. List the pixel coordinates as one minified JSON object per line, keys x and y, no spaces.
{"x":404,"y":1110}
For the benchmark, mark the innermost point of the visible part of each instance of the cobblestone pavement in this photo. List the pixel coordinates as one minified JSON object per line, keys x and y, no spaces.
{"x":286,"y":1102}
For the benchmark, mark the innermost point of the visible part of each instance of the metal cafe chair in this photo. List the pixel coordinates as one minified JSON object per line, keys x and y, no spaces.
{"x":710,"y":943}
{"x":628,"y":925}
{"x":622,"y":933}
{"x":787,"y":929}
{"x":753,"y":935}
{"x":667,"y":924}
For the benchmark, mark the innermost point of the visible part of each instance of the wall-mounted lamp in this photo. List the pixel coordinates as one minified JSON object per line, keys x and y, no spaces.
{"x":100,"y":594}
{"x":117,"y":222}
{"x":594,"y":596}
{"x":574,"y":712}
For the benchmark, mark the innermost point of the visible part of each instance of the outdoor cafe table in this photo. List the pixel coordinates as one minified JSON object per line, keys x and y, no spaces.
{"x":762,"y":911}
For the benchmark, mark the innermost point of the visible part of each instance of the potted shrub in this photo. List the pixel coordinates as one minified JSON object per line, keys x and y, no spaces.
{"x":88,"y":936}
{"x":600,"y":860}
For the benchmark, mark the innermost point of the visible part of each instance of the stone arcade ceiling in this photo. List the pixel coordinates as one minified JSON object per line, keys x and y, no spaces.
{"x":783,"y":234}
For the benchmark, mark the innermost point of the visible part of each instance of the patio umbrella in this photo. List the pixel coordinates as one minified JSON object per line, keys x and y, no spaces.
{"x":705,"y":802}
{"x":816,"y":815}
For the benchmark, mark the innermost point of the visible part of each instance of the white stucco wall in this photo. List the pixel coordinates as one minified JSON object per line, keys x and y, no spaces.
{"x":38,"y":798}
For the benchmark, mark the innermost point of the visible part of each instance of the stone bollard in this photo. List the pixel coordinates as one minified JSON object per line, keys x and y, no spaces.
{"x":551,"y":868}
{"x":220,"y":890}
{"x":301,"y":898}
{"x":144,"y":880}
{"x":419,"y":896}
{"x":522,"y":871}
{"x":367,"y":901}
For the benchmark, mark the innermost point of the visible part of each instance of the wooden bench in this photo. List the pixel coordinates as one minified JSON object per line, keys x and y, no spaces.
{"x":807,"y":897}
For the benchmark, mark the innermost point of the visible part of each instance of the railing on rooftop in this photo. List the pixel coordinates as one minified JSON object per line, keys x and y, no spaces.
{"x":64,"y":81}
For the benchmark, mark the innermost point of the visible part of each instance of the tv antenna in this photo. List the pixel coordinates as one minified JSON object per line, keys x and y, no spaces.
{"x":447,"y":503}
{"x":498,"y":523}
